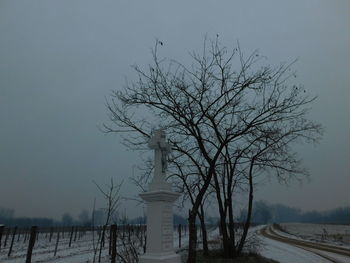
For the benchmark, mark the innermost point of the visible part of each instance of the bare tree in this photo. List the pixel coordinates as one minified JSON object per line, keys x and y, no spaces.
{"x":84,"y":218}
{"x":128,"y":251}
{"x":111,"y":194}
{"x":67,"y":219}
{"x":266,"y":148}
{"x":188,"y":182}
{"x":211,"y":109}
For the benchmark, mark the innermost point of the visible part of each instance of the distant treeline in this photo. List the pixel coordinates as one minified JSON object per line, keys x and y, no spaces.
{"x":27,"y":222}
{"x":264,"y":213}
{"x":8,"y":218}
{"x":84,"y":219}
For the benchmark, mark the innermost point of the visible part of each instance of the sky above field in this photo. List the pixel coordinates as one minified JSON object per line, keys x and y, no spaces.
{"x":59,"y":60}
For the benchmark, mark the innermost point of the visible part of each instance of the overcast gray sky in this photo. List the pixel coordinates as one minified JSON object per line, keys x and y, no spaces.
{"x":59,"y":59}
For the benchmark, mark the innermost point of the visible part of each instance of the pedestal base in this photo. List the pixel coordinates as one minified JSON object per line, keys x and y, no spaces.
{"x":160,"y":229}
{"x":160,"y":258}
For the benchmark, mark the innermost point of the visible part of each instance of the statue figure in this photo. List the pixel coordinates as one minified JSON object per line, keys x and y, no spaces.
{"x":161,"y":149}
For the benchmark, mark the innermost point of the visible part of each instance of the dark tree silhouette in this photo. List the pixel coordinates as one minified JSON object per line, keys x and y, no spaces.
{"x":226,"y":116}
{"x":67,"y":219}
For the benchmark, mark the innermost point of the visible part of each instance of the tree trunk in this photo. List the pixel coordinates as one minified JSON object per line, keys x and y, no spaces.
{"x":192,"y":216}
{"x":102,"y":243}
{"x":192,"y":253}
{"x":227,"y":253}
{"x":231,"y":226}
{"x":204,"y":232}
{"x":250,"y":208}
{"x":228,"y":250}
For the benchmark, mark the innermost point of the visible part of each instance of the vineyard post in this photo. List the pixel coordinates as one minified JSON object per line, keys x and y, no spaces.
{"x":114,"y":243}
{"x":18,"y":235}
{"x":13,"y":239}
{"x":110,"y":240}
{"x":129,"y":233}
{"x":71,"y":235}
{"x":7,"y":236}
{"x":99,"y":232}
{"x":141,"y":235}
{"x":31,"y":243}
{"x":103,"y":236}
{"x":51,"y":233}
{"x":75,"y":235}
{"x":57,"y":240}
{"x":139,"y":232}
{"x":1,"y":232}
{"x":179,"y":230}
{"x":25,"y":235}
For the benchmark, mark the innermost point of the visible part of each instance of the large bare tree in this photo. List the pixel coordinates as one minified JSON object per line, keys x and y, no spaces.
{"x":215,"y":111}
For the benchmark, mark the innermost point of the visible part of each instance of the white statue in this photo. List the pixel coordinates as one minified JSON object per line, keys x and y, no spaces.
{"x":159,"y":200}
{"x":161,"y":150}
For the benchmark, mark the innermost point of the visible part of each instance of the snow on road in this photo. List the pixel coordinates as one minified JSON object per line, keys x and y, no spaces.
{"x":334,"y":256}
{"x":285,"y":253}
{"x":338,"y":235}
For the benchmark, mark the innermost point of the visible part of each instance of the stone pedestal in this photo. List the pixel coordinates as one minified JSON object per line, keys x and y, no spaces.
{"x":160,"y":227}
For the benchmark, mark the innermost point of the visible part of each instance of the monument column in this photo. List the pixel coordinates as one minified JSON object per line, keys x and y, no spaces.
{"x":159,"y":201}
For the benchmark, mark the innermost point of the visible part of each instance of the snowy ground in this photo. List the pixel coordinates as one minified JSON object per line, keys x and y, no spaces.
{"x":80,"y":251}
{"x":325,"y":233}
{"x":285,"y":253}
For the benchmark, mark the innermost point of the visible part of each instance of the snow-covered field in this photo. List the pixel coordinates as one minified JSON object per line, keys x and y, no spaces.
{"x":80,"y":251}
{"x":333,"y":234}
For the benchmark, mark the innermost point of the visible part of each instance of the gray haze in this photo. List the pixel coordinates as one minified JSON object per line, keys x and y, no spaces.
{"x":60,"y":59}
